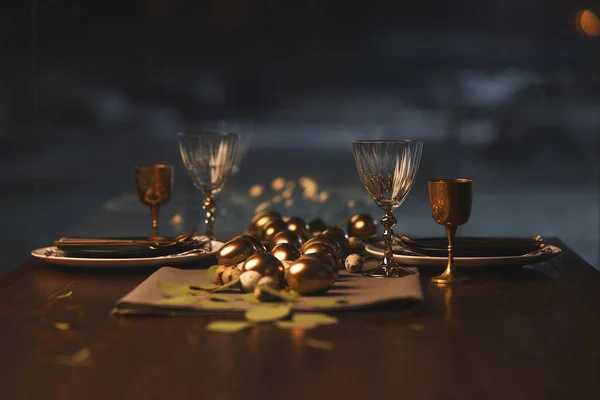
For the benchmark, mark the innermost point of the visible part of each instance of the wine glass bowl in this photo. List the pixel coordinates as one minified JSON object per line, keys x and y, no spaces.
{"x":154,"y":186}
{"x":209,"y":158}
{"x":387,"y":169}
{"x":450,"y":201}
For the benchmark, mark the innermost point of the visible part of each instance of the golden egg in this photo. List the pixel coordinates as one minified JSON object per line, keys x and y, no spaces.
{"x":299,"y":226}
{"x":285,"y":252}
{"x":238,"y":249}
{"x":261,"y":219}
{"x":362,"y":226}
{"x":310,"y":276}
{"x":339,"y":235}
{"x":287,"y":237}
{"x":327,"y":260}
{"x":273,"y":228}
{"x":328,"y":240}
{"x":324,"y":250}
{"x":265,"y":265}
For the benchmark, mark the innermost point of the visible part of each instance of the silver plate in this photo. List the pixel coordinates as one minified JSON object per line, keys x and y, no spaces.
{"x":77,"y":262}
{"x":471,"y":262}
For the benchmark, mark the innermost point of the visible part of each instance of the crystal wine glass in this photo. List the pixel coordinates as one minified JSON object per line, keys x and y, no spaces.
{"x":209,"y":158}
{"x":387,"y":169}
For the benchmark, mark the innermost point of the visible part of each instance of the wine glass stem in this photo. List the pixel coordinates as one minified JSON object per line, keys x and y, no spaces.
{"x":388,"y":221}
{"x":210,"y":207}
{"x":154,"y":219}
{"x":450,"y":232}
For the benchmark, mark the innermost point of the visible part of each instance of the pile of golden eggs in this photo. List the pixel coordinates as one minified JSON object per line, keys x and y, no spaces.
{"x":280,"y":252}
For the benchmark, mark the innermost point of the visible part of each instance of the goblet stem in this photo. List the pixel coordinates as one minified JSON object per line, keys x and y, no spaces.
{"x":154,"y":219}
{"x":210,"y":207}
{"x":388,"y":268}
{"x":449,"y":275}
{"x":388,"y":221}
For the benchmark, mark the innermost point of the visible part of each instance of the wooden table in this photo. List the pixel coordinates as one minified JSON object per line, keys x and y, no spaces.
{"x":531,"y":333}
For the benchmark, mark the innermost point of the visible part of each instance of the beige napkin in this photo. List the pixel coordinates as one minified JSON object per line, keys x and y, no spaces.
{"x":351,"y":291}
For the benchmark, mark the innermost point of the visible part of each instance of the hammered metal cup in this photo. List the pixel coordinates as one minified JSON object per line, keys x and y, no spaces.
{"x":154,"y":185}
{"x":450,"y":201}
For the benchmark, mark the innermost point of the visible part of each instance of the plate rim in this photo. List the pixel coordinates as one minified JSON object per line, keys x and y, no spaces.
{"x":422,"y":260}
{"x":134,"y":262}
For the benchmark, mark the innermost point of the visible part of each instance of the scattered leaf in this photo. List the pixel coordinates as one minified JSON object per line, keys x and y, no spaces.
{"x":173,"y":289}
{"x":267,"y":314}
{"x":64,"y":295}
{"x":294,"y":325}
{"x":228,"y":326}
{"x":211,"y":273}
{"x":179,"y":301}
{"x":282,"y":295}
{"x":62,"y":326}
{"x":416,"y":327}
{"x":213,"y":305}
{"x":323,"y":302}
{"x":126,"y":311}
{"x":222,"y":299}
{"x":320,"y":344}
{"x":81,"y":358}
{"x":314,"y":318}
{"x":210,"y":286}
{"x":227,"y":285}
{"x":250,"y":298}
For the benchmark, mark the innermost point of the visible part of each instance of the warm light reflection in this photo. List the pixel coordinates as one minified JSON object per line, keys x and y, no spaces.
{"x":588,"y":23}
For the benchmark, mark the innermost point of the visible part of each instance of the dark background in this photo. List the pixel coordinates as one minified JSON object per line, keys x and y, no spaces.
{"x":506,"y":92}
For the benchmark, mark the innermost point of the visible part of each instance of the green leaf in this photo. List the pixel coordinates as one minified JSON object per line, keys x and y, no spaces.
{"x":214,"y":305}
{"x":173,"y":289}
{"x":416,"y":327}
{"x":250,"y":298}
{"x":222,"y":299}
{"x":227,"y":285}
{"x":179,"y":301}
{"x":126,"y":311}
{"x":62,"y":326}
{"x":267,"y":314}
{"x":81,"y":358}
{"x":281,"y":295}
{"x":294,"y":325}
{"x":314,"y":318}
{"x":64,"y":295}
{"x":323,"y":302}
{"x":211,"y":273}
{"x":320,"y":344}
{"x":228,"y":326}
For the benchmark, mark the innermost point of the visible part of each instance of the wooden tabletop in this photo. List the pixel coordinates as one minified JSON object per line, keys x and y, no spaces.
{"x":530,"y":333}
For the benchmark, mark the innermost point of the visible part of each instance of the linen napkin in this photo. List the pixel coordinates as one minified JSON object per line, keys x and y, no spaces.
{"x":351,"y":291}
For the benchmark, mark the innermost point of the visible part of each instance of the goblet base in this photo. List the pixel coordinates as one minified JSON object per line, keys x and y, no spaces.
{"x":386,"y":271}
{"x":449,"y":278}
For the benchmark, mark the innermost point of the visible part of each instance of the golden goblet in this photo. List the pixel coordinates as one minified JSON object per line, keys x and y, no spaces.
{"x":154,"y":184}
{"x":450,"y":201}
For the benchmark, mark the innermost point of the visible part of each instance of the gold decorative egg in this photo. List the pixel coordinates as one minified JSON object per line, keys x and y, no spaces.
{"x":362,"y":226}
{"x":339,"y":235}
{"x":273,"y":228}
{"x":238,"y":249}
{"x":287,"y":237}
{"x":310,"y":276}
{"x":298,"y":226}
{"x":328,"y":240}
{"x":261,"y":219}
{"x":324,"y":250}
{"x":285,"y":252}
{"x":265,"y":265}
